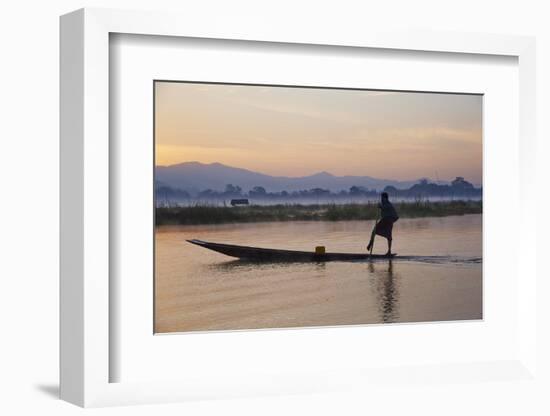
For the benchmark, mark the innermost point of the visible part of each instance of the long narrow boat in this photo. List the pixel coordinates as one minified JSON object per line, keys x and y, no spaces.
{"x":270,"y":254}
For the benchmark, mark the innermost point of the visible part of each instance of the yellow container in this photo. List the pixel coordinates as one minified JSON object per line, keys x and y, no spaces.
{"x":320,"y":250}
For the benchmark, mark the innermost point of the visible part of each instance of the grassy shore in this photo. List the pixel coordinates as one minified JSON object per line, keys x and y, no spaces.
{"x":205,"y":214}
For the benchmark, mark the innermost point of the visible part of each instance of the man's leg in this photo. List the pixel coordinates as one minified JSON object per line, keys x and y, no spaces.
{"x":389,"y":246}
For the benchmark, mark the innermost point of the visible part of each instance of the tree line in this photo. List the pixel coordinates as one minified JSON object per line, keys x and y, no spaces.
{"x":457,"y":188}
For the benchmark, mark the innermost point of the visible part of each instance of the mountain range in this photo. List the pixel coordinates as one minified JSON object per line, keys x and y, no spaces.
{"x":196,"y":176}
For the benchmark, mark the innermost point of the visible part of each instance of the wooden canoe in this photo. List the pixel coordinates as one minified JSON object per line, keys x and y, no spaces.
{"x":273,"y":255}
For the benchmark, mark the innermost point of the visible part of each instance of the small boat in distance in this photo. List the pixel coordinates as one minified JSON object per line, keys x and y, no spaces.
{"x":274,"y":255}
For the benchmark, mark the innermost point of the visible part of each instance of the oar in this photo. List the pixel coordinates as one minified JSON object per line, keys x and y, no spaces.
{"x":373,"y":233}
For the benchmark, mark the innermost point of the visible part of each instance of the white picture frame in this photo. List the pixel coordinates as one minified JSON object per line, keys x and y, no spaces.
{"x":85,"y":212}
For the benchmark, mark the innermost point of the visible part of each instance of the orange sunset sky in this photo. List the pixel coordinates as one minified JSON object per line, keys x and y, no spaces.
{"x":300,"y":131}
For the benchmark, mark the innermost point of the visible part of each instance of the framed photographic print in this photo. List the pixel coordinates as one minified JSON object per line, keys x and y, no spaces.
{"x":262,"y":212}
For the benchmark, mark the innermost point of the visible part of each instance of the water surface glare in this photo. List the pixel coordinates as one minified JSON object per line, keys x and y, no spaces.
{"x":198,"y":289}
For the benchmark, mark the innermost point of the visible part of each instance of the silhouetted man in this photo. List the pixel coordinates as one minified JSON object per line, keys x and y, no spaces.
{"x":384,"y":227}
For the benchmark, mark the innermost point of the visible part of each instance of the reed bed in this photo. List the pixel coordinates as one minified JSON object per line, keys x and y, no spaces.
{"x":210,"y":214}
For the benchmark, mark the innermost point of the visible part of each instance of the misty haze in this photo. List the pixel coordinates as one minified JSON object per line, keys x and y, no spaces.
{"x":194,"y":183}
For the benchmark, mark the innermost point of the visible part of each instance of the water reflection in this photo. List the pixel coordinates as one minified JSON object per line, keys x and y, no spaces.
{"x":250,"y":265}
{"x":385,"y":285}
{"x":247,"y":265}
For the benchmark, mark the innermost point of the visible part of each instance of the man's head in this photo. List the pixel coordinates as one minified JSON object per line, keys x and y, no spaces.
{"x":384,"y":196}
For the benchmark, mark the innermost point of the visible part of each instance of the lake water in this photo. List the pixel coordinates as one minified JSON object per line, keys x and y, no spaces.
{"x":198,"y":289}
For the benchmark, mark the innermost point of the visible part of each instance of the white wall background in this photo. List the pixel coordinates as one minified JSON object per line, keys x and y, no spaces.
{"x":29,"y":208}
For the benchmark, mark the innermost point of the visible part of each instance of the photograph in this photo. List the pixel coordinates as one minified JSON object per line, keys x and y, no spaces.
{"x":288,"y":206}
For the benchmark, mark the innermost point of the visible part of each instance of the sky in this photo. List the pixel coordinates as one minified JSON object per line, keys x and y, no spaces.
{"x":286,"y":131}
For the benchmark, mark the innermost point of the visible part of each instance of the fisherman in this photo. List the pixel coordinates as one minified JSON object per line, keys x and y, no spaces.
{"x":384,"y":227}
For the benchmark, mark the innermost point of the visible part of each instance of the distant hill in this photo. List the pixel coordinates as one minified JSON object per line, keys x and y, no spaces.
{"x":196,"y":176}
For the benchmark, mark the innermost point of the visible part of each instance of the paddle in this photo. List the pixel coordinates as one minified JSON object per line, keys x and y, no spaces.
{"x":373,"y":233}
